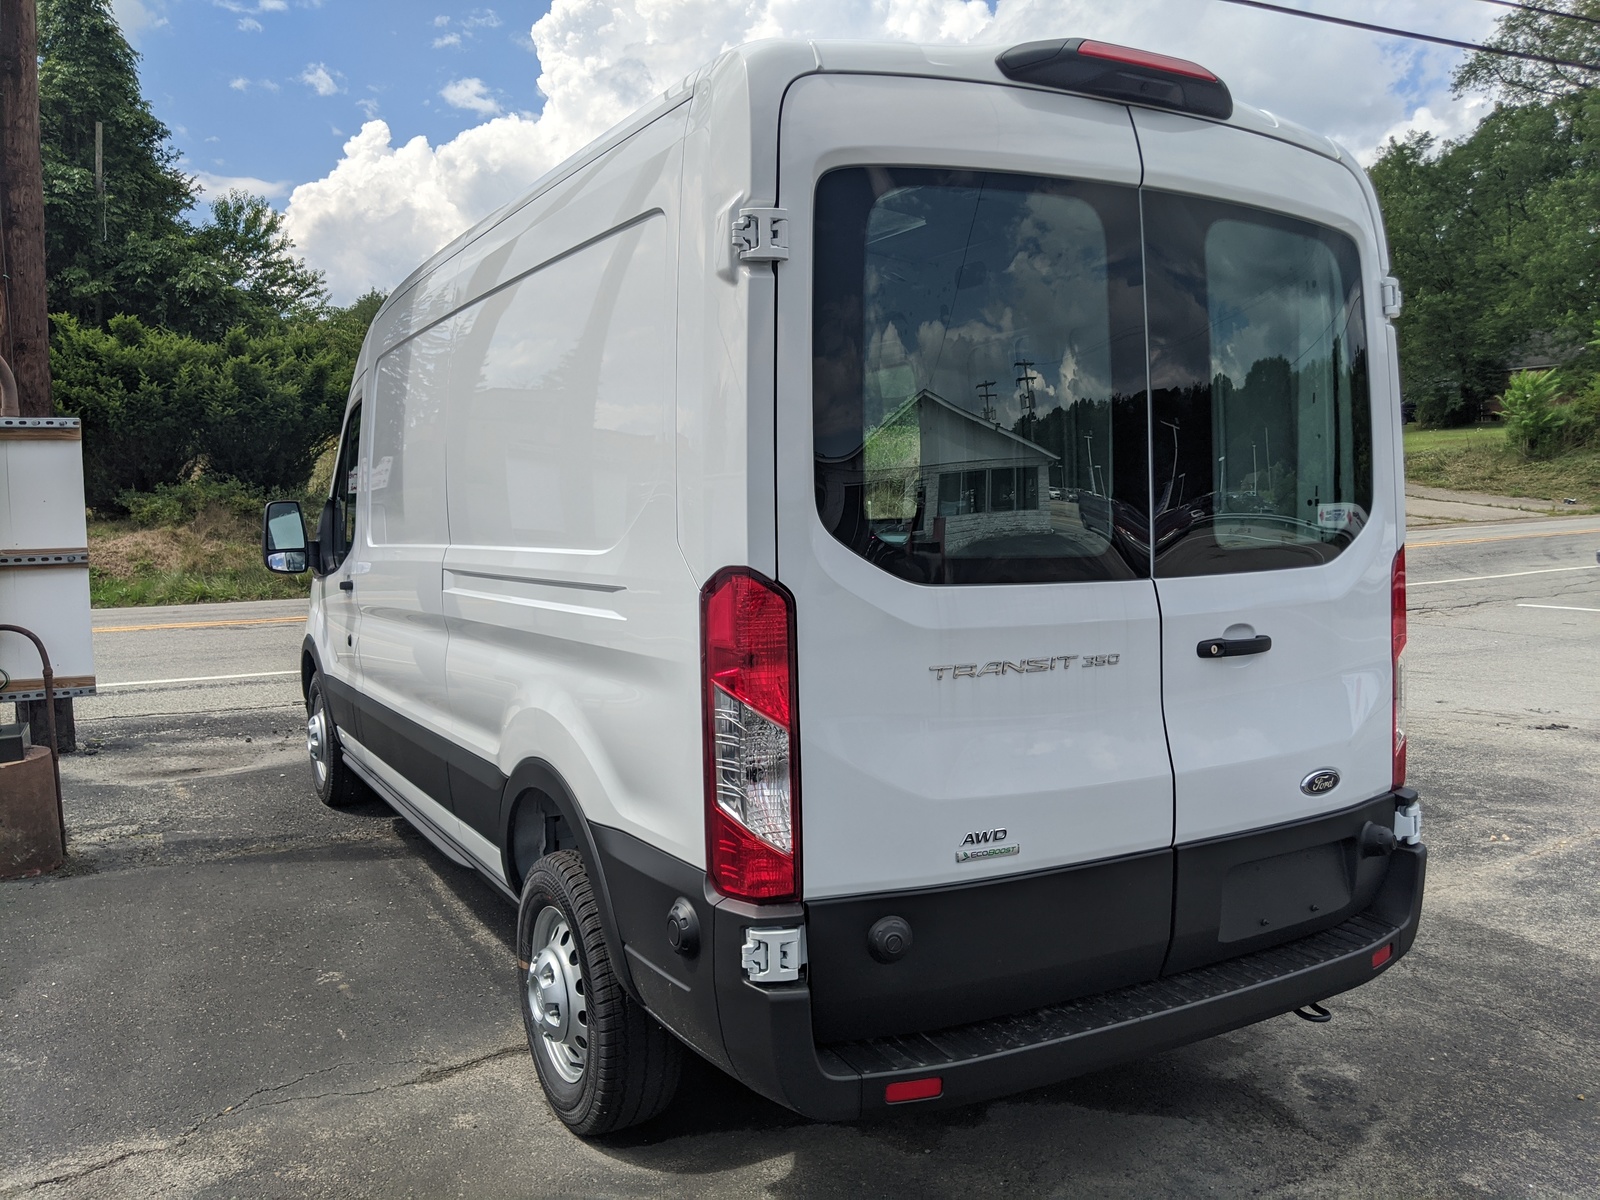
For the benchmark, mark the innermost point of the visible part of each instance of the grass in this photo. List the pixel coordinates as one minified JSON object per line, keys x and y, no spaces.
{"x":1453,"y":439}
{"x":214,"y":556}
{"x":1478,"y":460}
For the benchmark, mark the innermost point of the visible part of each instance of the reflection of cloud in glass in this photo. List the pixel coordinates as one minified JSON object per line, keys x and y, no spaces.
{"x":987,"y":278}
{"x":1270,"y":292}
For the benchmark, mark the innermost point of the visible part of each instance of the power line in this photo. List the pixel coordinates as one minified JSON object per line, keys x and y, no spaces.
{"x":1542,"y":11}
{"x":1416,"y":37}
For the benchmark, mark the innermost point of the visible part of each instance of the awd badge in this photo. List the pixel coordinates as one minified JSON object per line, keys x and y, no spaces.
{"x":986,"y":843}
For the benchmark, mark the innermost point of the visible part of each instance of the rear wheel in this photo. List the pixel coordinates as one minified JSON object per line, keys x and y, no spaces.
{"x":604,"y":1062}
{"x":336,"y":784}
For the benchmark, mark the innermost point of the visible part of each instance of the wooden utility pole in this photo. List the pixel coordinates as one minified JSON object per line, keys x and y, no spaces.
{"x":25,"y":337}
{"x":24,"y":312}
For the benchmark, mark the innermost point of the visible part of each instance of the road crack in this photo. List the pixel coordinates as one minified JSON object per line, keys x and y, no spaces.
{"x":432,"y":1073}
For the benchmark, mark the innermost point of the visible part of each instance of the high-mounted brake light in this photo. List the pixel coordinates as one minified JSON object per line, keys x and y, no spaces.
{"x":1397,"y":641}
{"x":1119,"y":73}
{"x":751,"y":738}
{"x":1128,"y":56}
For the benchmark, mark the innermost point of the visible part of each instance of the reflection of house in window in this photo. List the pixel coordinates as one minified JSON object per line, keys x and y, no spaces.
{"x":955,"y":477}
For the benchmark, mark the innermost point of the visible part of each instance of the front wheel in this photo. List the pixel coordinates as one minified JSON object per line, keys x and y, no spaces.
{"x":336,"y":784}
{"x":603,"y":1061}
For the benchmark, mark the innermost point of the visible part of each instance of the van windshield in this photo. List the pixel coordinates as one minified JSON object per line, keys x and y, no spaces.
{"x":979,"y":375}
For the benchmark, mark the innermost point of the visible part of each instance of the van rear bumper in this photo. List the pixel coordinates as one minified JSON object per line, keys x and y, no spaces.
{"x":768,"y":1041}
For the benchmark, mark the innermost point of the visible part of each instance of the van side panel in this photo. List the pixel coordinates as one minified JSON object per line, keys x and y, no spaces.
{"x":727,"y":494}
{"x":395,"y":572}
{"x":572,"y":616}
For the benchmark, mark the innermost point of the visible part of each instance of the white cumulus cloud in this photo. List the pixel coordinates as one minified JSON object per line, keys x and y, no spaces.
{"x":249,"y":25}
{"x":383,"y":208}
{"x":472,"y":95}
{"x":212,"y":185}
{"x":449,"y":39}
{"x":317,"y":78}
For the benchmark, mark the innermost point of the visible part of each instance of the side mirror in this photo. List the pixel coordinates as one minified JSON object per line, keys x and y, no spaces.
{"x":283,"y":538}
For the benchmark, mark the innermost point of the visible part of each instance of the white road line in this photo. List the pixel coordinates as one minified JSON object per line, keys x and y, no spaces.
{"x":198,"y":679}
{"x":1561,"y":607}
{"x":1508,"y":575}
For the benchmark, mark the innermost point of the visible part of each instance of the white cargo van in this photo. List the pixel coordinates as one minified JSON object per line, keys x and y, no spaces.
{"x":893,"y":557}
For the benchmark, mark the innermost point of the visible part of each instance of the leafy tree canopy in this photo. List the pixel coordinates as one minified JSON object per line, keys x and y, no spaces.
{"x":191,"y":351}
{"x":1496,"y":236}
{"x":134,"y":251}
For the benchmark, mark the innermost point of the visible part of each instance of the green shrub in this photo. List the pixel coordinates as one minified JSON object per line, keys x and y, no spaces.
{"x":159,"y":407}
{"x":172,"y":504}
{"x":1534,"y":417}
{"x":1582,"y":427}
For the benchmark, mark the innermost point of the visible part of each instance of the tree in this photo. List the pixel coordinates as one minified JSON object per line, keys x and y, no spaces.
{"x":1497,"y":240}
{"x":1546,"y":32}
{"x":256,"y":279}
{"x":122,"y":255}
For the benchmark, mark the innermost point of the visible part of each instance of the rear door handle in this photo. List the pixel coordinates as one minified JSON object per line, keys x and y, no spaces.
{"x":1234,"y":647}
{"x":349,"y":585}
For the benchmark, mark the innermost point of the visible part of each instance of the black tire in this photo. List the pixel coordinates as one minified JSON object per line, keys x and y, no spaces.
{"x":631,"y":1064}
{"x":335,"y":783}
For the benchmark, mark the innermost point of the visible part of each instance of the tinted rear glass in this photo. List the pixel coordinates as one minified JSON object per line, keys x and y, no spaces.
{"x":981,"y":365}
{"x":980,"y":403}
{"x":1259,"y":375}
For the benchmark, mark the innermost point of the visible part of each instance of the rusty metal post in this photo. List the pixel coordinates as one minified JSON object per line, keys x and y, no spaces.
{"x":50,"y":720}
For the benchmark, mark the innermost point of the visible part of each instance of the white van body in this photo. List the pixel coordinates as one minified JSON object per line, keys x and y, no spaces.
{"x":1098,"y":836}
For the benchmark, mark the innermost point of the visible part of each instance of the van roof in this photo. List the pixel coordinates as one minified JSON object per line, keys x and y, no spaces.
{"x":772,"y":64}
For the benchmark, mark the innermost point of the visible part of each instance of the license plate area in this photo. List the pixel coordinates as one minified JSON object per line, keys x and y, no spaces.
{"x":1245,"y":892}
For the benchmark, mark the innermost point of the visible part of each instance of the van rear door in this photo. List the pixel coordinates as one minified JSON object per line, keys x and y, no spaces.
{"x":1275,"y":523}
{"x":963,"y":488}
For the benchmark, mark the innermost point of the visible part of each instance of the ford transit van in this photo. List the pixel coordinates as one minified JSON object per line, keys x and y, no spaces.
{"x":894,"y":559}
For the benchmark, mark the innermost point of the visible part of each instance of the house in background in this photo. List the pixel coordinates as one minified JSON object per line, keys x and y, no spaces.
{"x":970,"y":479}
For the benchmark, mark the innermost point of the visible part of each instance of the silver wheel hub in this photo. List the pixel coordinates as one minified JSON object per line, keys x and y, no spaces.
{"x":557,"y":997}
{"x":317,"y":741}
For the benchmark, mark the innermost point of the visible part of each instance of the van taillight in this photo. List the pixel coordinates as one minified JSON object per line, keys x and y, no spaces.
{"x":752,"y":773}
{"x":1397,"y":638}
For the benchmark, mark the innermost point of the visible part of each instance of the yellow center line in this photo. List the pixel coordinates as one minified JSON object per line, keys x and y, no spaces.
{"x":1504,"y":537}
{"x":200,"y":624}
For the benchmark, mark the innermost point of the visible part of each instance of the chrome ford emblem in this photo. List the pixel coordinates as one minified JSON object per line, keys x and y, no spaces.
{"x":1319,"y":783}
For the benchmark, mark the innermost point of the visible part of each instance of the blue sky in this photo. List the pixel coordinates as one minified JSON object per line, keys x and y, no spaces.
{"x":271,"y":91}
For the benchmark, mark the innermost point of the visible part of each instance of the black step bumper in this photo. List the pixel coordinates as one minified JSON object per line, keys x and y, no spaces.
{"x":768,"y":1040}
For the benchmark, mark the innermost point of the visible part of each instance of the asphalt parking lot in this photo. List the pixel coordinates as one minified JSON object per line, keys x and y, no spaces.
{"x":233,"y":991}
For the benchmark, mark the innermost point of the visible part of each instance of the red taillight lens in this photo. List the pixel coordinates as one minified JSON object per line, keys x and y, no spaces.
{"x":752,"y":773}
{"x":1397,"y":639}
{"x":1382,"y":955}
{"x":1144,"y":58}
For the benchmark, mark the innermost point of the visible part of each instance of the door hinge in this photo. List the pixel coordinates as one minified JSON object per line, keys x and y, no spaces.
{"x":761,"y":234}
{"x":773,"y":955}
{"x":1393,"y":298}
{"x":1408,"y":824}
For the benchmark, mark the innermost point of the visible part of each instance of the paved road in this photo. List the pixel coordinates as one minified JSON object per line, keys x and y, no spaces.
{"x":236,"y":992}
{"x":195,"y":658}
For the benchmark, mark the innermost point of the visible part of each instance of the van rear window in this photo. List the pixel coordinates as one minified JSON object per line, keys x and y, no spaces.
{"x":979,"y":375}
{"x":1259,"y":375}
{"x":984,"y":385}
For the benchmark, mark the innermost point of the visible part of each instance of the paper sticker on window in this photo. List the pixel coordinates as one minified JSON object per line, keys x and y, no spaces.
{"x":351,"y":481}
{"x":1341,"y":516}
{"x":380,"y":472}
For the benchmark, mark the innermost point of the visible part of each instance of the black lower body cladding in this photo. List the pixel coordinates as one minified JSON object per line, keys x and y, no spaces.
{"x":829,"y":1045}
